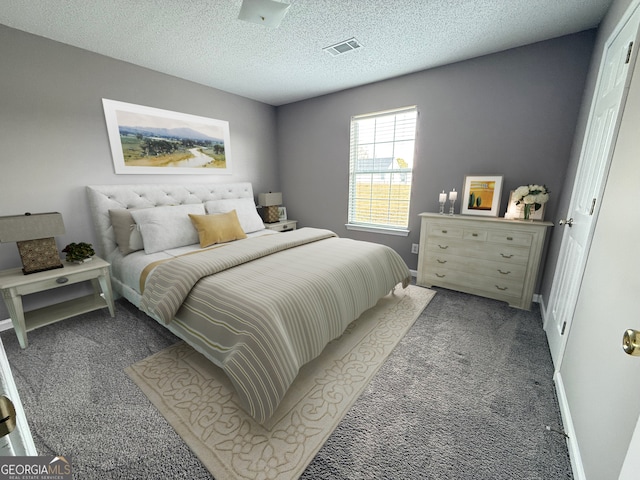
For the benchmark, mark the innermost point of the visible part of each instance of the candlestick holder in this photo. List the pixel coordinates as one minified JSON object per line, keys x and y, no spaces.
{"x":442,"y":208}
{"x":452,"y":203}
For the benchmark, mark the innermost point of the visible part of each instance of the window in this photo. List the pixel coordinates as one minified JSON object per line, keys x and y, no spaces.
{"x":380,"y":170}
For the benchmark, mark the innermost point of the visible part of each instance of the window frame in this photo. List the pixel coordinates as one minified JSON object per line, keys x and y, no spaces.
{"x":389,"y":229}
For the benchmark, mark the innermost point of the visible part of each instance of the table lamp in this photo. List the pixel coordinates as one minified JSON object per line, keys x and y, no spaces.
{"x":34,"y":235}
{"x":269,"y":203}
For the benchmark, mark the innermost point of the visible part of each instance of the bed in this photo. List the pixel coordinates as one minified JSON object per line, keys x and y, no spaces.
{"x":257,"y":303}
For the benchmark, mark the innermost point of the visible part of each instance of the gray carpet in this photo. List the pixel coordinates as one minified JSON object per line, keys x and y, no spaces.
{"x":466,"y":395}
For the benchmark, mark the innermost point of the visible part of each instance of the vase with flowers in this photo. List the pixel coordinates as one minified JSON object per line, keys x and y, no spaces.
{"x":532,"y":197}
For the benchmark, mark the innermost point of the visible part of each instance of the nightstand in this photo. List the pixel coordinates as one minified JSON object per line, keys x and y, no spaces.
{"x":282,"y":226}
{"x":14,"y":284}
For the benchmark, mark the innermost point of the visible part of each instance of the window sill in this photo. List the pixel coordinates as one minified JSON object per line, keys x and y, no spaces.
{"x":372,"y":229}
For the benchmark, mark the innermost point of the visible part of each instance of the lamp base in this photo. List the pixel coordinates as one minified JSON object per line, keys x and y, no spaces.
{"x":270,"y":214}
{"x":39,"y":255}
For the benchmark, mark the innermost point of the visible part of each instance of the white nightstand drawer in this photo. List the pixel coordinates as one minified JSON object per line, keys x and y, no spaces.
{"x":282,"y":226}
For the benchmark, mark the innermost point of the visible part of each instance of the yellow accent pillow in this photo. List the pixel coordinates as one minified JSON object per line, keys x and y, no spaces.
{"x":221,"y":228}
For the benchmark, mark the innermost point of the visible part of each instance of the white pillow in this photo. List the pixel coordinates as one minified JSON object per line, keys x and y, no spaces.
{"x":167,"y":227}
{"x":248,"y":216}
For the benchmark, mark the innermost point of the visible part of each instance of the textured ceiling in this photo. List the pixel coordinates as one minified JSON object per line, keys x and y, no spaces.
{"x":203,"y":40}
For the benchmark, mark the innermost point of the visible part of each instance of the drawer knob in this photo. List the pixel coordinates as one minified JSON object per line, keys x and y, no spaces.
{"x":62,"y":280}
{"x":501,"y":288}
{"x":443,"y":248}
{"x":503,"y":273}
{"x":439,"y":275}
{"x":509,"y":238}
{"x":506,"y":256}
{"x":474,"y":234}
{"x":440,"y":261}
{"x":444,"y":231}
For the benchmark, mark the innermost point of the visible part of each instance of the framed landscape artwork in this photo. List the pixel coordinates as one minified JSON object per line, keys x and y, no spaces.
{"x":481,"y":195}
{"x":146,"y":140}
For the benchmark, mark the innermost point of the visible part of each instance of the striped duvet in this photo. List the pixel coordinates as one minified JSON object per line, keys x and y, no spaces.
{"x":261,"y":308}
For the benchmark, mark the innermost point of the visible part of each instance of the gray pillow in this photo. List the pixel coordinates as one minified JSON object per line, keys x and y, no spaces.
{"x":127,"y":234}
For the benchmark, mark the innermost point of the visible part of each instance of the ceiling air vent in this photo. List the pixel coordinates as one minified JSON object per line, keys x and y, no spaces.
{"x":343,"y":47}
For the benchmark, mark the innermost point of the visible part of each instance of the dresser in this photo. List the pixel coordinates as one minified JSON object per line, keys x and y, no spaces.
{"x":487,"y":256}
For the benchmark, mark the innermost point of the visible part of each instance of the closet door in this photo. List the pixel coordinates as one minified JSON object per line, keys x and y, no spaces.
{"x":593,"y":168}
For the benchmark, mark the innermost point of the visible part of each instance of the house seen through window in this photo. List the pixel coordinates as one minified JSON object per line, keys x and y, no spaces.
{"x":380,"y":169}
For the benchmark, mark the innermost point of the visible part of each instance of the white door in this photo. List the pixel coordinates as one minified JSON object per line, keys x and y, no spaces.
{"x":589,"y":183}
{"x":601,"y":382}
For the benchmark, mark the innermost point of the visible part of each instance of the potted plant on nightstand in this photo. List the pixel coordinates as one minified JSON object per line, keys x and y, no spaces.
{"x":79,"y":252}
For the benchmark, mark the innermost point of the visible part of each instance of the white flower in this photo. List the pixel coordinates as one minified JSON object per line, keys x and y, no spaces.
{"x":531,"y":195}
{"x":541,"y":198}
{"x":521,"y":192}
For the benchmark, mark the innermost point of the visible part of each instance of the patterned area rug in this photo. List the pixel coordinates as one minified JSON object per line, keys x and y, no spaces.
{"x":199,"y":402}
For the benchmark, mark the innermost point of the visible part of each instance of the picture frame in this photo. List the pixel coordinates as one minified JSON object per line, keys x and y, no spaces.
{"x":282,"y":214}
{"x":481,"y":195}
{"x":147,"y":140}
{"x":516,"y":212}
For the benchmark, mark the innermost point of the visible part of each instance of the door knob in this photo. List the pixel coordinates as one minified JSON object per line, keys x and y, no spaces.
{"x":7,"y":416}
{"x":631,"y":342}
{"x":568,"y":222}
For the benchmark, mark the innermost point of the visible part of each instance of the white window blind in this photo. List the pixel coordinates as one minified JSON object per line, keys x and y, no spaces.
{"x":380,"y":168}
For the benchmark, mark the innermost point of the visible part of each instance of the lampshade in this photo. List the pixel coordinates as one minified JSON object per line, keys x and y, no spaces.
{"x":17,"y":228}
{"x":263,"y":12}
{"x":34,"y":236}
{"x":269,"y":199}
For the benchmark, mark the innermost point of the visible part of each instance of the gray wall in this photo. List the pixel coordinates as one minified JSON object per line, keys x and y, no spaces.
{"x":511,"y":113}
{"x":54,"y":139}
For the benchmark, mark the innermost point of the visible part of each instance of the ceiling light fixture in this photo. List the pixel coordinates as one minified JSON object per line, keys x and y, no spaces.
{"x":263,"y":12}
{"x":343,"y":47}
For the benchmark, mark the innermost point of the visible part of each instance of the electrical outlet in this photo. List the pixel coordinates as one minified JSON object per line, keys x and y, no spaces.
{"x":414,"y":248}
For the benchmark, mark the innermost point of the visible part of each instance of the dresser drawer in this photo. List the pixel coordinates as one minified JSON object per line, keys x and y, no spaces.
{"x":510,"y":254}
{"x":475,"y":235}
{"x":502,"y":270}
{"x":476,"y":284}
{"x":446,"y":231}
{"x":511,"y":238}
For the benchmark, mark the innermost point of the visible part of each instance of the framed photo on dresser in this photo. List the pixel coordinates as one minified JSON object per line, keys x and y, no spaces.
{"x":481,"y":195}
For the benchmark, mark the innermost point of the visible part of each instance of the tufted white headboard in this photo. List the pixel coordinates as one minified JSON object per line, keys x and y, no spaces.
{"x":102,"y":198}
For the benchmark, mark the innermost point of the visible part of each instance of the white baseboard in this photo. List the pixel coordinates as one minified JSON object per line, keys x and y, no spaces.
{"x":6,"y":325}
{"x":543,"y":309}
{"x":572,"y":444}
{"x":414,"y":273}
